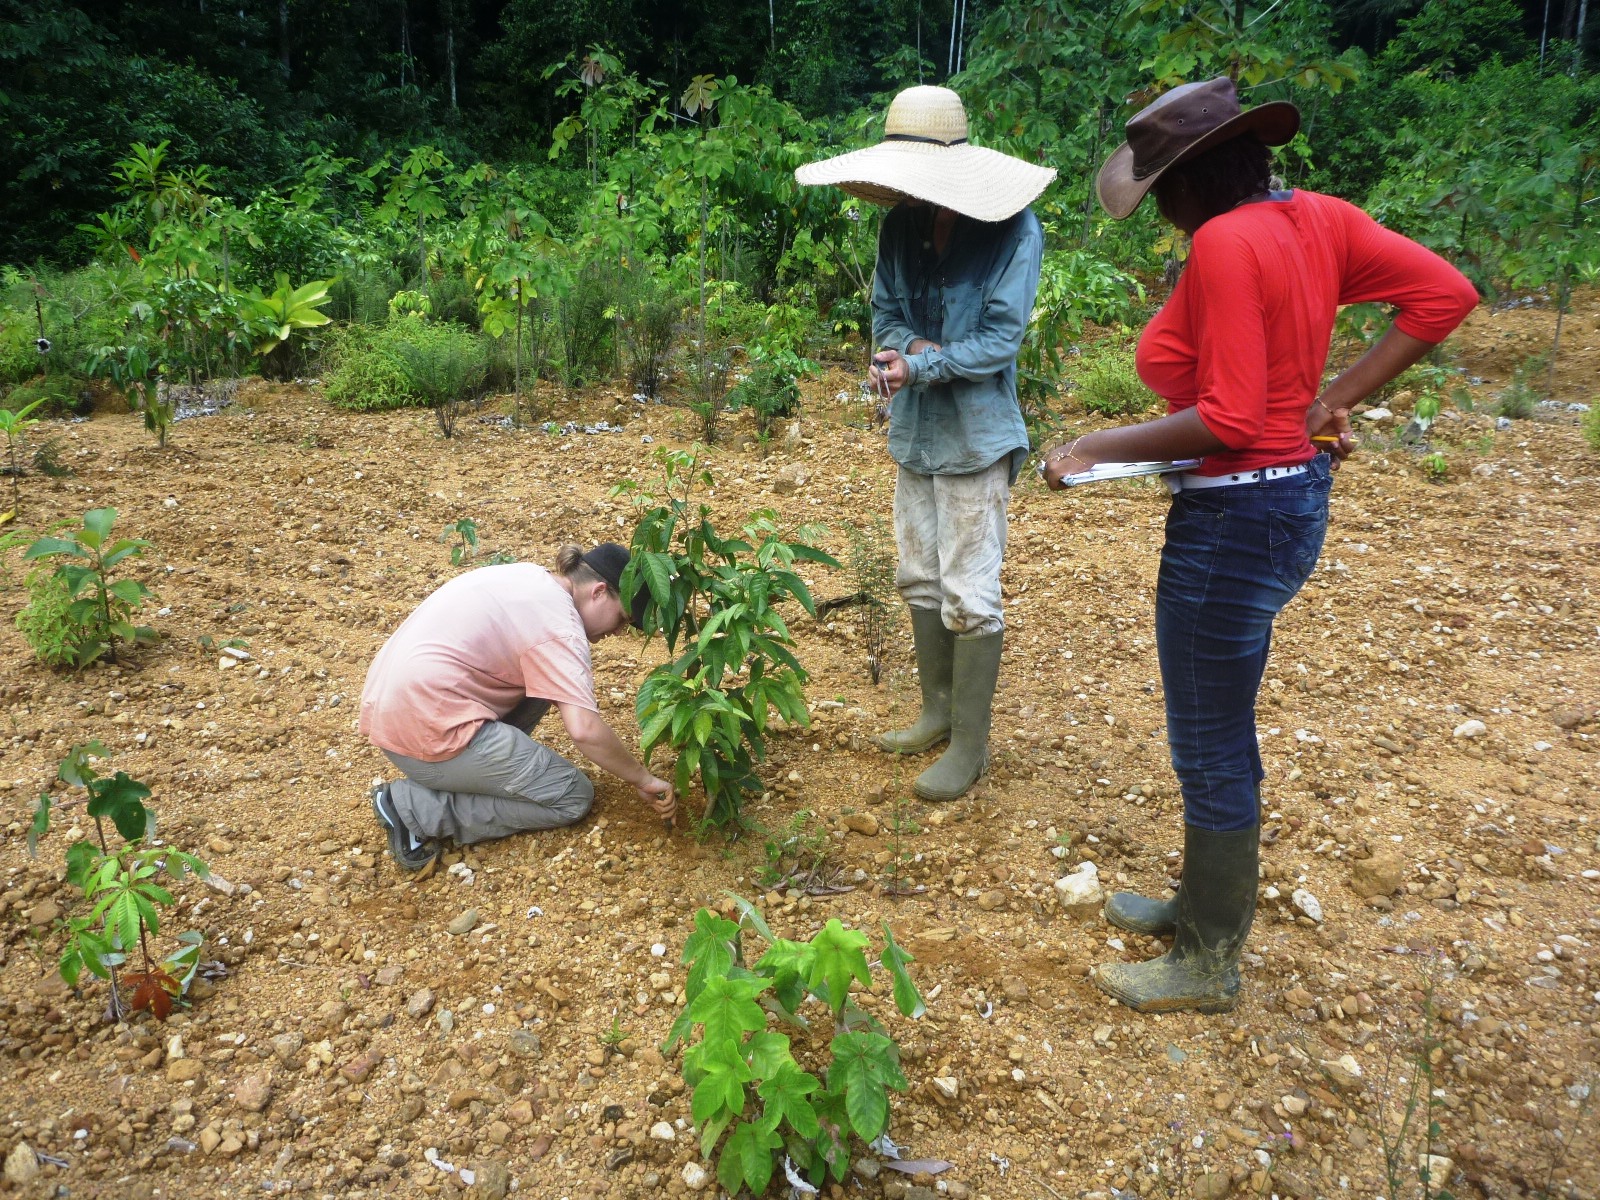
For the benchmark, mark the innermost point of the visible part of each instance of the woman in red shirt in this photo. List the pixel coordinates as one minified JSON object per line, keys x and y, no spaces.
{"x":1238,"y":353}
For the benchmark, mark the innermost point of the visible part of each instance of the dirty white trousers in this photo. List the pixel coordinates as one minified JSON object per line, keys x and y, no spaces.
{"x":950,"y":531}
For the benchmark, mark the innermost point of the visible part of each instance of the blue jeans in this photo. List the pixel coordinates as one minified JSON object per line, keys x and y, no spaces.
{"x":1234,"y":556}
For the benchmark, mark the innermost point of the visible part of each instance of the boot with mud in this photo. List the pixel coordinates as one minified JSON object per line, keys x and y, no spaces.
{"x":1140,"y":914}
{"x":935,"y":646}
{"x":973,"y":677}
{"x":1216,"y":906}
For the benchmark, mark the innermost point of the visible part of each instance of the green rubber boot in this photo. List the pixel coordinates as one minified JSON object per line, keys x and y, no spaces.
{"x":973,"y":679}
{"x":935,"y":660}
{"x":1140,"y":914}
{"x":1216,"y":906}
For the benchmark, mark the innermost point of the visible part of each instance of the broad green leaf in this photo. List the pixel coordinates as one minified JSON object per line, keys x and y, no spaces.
{"x":51,"y":545}
{"x":785,"y":1097}
{"x":838,"y":955}
{"x":720,"y":1090}
{"x":98,"y":521}
{"x":766,"y":1051}
{"x":710,"y":950}
{"x":727,"y":1008}
{"x":862,"y":1072}
{"x":747,"y":1158}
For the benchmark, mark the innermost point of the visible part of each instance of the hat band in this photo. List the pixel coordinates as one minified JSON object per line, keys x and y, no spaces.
{"x":912,"y":137}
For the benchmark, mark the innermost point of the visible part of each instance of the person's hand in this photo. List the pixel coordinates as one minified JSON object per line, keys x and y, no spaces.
{"x":658,"y":794}
{"x":1329,"y":431}
{"x":1061,"y":461}
{"x":887,"y":373}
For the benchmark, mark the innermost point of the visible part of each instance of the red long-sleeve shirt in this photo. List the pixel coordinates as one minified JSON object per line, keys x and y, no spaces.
{"x":1245,"y":334}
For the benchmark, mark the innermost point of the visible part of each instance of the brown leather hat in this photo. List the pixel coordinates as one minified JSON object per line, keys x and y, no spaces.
{"x":1182,"y":123}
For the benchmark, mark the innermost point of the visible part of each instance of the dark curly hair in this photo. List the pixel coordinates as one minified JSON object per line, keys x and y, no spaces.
{"x":1218,"y":179}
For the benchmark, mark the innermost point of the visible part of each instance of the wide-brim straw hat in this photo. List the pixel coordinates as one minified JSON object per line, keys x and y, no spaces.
{"x":925,"y":155}
{"x":1183,"y":123}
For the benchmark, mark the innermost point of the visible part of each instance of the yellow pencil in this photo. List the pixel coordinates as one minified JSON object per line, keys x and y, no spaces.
{"x":1327,"y":440}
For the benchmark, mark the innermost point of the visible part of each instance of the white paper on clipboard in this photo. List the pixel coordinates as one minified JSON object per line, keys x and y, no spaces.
{"x":1125,"y":470}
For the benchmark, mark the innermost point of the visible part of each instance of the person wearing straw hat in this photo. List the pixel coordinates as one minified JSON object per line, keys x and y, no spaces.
{"x":1238,"y":353}
{"x":454,"y":694}
{"x":958,"y":264}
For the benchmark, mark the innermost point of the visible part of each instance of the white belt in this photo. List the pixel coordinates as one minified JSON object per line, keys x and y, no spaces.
{"x":1189,"y":480}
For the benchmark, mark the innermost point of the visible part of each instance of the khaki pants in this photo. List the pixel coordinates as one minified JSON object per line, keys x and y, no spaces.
{"x":502,"y":782}
{"x":950,"y":533}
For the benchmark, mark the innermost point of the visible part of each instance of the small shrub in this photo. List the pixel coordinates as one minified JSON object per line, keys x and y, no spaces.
{"x":771,"y":389}
{"x":59,"y":394}
{"x":1591,"y":424}
{"x":408,"y":362}
{"x":54,"y":637}
{"x":1108,"y":383}
{"x":362,"y":370}
{"x":99,"y":608}
{"x":648,"y":322}
{"x":872,"y":567}
{"x":745,"y":1079}
{"x":585,"y":327}
{"x":719,"y":598}
{"x":1436,"y":466}
{"x":445,"y":368}
{"x":1522,"y":394}
{"x":120,"y":886}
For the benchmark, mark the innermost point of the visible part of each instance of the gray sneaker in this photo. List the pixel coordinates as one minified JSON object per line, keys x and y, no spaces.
{"x":407,"y":855}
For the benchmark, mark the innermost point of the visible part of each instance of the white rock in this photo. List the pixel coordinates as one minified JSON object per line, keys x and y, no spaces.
{"x":1308,"y":904}
{"x":22,"y":1165}
{"x":947,"y":1086}
{"x":1438,"y":1168}
{"x":1081,"y":886}
{"x":1377,"y":416}
{"x":695,"y":1177}
{"x":1471,"y":729}
{"x":662,"y":1132}
{"x":1344,"y":1070}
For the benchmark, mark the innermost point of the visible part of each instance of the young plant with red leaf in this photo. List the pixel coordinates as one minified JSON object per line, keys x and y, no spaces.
{"x":123,"y":890}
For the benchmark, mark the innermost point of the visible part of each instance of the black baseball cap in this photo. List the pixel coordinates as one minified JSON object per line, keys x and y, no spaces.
{"x":607,"y":560}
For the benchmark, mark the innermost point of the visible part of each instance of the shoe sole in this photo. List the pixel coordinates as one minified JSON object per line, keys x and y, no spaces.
{"x":398,"y":850}
{"x":1166,"y":1004}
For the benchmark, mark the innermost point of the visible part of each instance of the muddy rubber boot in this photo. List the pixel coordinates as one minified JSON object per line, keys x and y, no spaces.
{"x":977,"y":669}
{"x":1216,"y":906}
{"x":935,"y":647}
{"x":1140,"y":914}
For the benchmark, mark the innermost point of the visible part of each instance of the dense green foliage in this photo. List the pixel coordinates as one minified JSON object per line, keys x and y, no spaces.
{"x":605,"y":191}
{"x":715,"y":601}
{"x":748,"y":1090}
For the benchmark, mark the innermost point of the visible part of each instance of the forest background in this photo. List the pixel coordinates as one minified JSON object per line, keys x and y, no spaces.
{"x":481,"y":193}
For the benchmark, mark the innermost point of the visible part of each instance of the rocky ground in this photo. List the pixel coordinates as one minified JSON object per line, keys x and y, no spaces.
{"x":1427,"y":937}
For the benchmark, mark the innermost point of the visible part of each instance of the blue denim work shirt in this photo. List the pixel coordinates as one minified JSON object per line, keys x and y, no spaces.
{"x":959,"y":413}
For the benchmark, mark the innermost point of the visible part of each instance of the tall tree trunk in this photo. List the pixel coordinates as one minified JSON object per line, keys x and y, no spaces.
{"x":1577,"y":37}
{"x":283,"y":37}
{"x":405,"y":43}
{"x":450,"y":49}
{"x":950,"y":63}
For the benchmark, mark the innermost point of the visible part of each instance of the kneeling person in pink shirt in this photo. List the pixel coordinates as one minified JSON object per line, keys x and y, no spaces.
{"x":455,"y":692}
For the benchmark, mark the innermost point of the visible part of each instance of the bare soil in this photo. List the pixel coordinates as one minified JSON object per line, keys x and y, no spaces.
{"x":313,"y":1062}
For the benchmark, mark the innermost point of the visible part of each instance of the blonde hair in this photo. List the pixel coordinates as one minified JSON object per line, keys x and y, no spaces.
{"x":570,"y":566}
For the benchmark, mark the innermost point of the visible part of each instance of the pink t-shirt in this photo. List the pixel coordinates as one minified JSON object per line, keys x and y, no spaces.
{"x":470,"y":653}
